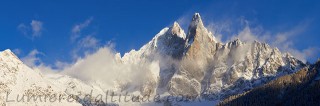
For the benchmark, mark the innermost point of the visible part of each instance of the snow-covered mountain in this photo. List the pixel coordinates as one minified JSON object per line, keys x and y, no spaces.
{"x":192,"y":64}
{"x":196,"y":63}
{"x":21,"y":86}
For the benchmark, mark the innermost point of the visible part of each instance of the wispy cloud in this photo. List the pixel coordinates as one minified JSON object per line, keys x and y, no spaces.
{"x":105,"y":64}
{"x":226,"y":30}
{"x":32,"y":58}
{"x":76,"y":29}
{"x":23,"y":29}
{"x":34,"y":61}
{"x":102,"y":65}
{"x":84,"y":43}
{"x":88,"y":42}
{"x":282,"y":40}
{"x":85,"y":46}
{"x":36,"y":28}
{"x":217,"y":28}
{"x":32,"y":30}
{"x":17,"y":51}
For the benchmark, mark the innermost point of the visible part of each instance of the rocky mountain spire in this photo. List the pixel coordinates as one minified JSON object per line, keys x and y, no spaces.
{"x":198,"y":32}
{"x":196,"y":21}
{"x":177,"y":30}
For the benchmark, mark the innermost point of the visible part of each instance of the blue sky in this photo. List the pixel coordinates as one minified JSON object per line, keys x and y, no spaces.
{"x":61,"y":30}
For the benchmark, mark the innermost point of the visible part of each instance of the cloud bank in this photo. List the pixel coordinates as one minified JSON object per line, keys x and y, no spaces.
{"x":103,"y":67}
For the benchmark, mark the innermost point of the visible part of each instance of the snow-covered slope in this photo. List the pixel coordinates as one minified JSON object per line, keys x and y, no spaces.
{"x":18,"y":83}
{"x":297,"y":89}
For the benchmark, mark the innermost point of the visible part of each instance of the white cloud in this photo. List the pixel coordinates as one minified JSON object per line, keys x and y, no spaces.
{"x":217,"y":28}
{"x":184,"y":21}
{"x":284,"y":41}
{"x":36,"y":28}
{"x":304,"y":54}
{"x":17,"y":51}
{"x":86,"y":45}
{"x":102,"y":65}
{"x":23,"y":29}
{"x":32,"y":59}
{"x":83,"y":46}
{"x":76,"y":29}
{"x":247,"y":35}
{"x":33,"y":30}
{"x":88,"y":42}
{"x":61,"y":65}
